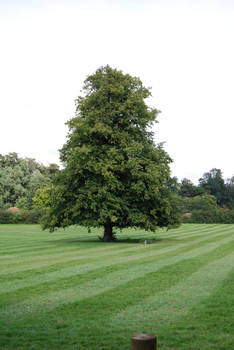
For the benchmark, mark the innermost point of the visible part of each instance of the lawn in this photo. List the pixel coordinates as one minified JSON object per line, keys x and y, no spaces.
{"x":68,"y":290}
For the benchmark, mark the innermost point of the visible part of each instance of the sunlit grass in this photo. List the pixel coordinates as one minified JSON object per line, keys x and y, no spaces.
{"x":68,"y":290}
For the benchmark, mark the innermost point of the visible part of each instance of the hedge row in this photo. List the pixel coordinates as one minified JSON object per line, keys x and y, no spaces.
{"x":218,"y":216}
{"x":23,"y":217}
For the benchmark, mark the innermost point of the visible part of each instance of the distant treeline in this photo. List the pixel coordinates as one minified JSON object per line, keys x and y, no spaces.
{"x":211,"y":201}
{"x":20,"y":179}
{"x":25,"y":186}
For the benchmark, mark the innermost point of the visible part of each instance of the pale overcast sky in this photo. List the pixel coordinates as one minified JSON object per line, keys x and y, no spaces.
{"x":182,"y":49}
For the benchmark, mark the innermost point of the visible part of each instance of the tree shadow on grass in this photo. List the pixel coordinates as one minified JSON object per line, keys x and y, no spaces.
{"x":127,"y":240}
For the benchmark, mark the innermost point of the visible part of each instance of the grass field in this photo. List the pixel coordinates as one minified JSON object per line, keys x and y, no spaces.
{"x":67,"y":290}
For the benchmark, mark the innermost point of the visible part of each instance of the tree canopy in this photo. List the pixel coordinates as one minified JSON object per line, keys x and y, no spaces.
{"x":212,"y":182}
{"x":114,"y":174}
{"x":20,"y":178}
{"x":188,"y":189}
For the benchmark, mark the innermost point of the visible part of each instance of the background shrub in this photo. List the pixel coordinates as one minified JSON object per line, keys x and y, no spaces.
{"x":23,"y":217}
{"x":205,"y":216}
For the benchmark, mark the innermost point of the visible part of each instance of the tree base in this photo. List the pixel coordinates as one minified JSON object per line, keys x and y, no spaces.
{"x":108,"y":235}
{"x":107,"y":238}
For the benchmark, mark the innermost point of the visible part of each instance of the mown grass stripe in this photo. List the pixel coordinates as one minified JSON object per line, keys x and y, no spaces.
{"x":213,"y":320}
{"x":43,"y":263}
{"x":87,"y":301}
{"x":69,"y":272}
{"x":66,"y":282}
{"x":177,"y":301}
{"x":195,"y":230}
{"x":108,"y":282}
{"x":61,"y":253}
{"x":52,"y":247}
{"x":194,"y":236}
{"x":166,"y":252}
{"x":161,"y":234}
{"x":191,"y":229}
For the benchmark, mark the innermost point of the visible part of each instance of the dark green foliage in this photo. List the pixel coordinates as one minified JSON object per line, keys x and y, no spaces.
{"x":13,"y":183}
{"x":188,"y":189}
{"x":7,"y":217}
{"x":114,"y":175}
{"x":205,"y":202}
{"x":218,"y":216}
{"x":204,"y":210}
{"x":20,"y":178}
{"x":23,"y":217}
{"x":229,"y":193}
{"x":213,"y":183}
{"x":212,"y":201}
{"x":33,"y":216}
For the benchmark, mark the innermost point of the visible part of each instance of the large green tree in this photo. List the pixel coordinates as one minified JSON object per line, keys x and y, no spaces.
{"x":114,"y":174}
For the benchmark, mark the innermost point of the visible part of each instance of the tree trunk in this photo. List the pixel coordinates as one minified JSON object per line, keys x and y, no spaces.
{"x":108,"y":233}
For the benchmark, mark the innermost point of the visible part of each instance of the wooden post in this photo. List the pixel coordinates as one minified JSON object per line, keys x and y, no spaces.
{"x":143,"y":342}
